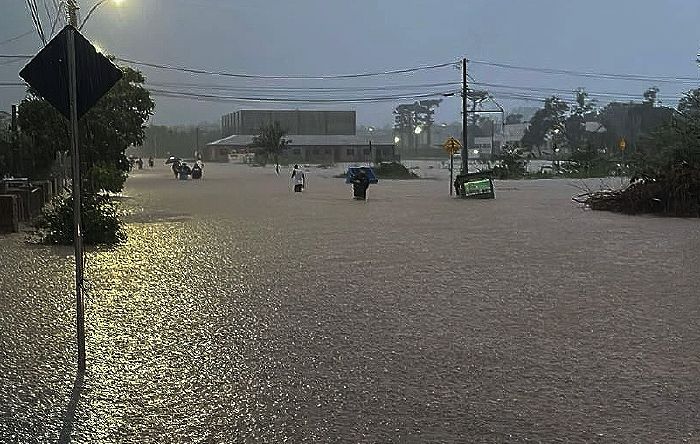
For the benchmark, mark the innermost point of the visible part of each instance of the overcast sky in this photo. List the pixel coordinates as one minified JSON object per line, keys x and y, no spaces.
{"x":299,"y":37}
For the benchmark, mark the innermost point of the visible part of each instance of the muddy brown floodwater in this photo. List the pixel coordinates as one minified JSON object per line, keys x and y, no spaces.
{"x":240,"y":312}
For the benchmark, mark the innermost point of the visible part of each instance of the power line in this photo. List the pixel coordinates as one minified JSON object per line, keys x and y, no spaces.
{"x":309,"y":89}
{"x":212,"y":97}
{"x":17,"y":37}
{"x":590,"y":74}
{"x":285,"y":77}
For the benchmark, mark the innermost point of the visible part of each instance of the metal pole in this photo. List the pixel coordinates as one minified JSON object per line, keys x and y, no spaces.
{"x":465,"y":148}
{"x":14,"y":152}
{"x":452,"y":158}
{"x":75,"y":161}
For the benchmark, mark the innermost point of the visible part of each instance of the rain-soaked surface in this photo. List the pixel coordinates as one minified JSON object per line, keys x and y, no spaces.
{"x":240,"y":312}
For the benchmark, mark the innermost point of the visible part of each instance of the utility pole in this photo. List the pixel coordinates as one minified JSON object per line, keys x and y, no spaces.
{"x":72,"y":11}
{"x":465,"y":124}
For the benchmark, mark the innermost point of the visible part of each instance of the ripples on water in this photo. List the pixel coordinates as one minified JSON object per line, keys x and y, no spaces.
{"x":175,"y":341}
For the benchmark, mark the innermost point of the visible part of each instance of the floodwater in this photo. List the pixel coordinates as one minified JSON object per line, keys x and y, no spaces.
{"x":240,"y":312}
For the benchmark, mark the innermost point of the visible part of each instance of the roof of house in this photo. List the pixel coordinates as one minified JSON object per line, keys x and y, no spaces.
{"x":309,"y":140}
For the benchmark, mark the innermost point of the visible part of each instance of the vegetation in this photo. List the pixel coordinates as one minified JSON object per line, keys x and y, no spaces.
{"x":394,"y":170}
{"x":511,"y":164}
{"x":666,"y":169}
{"x":101,"y":224}
{"x":116,"y":122}
{"x":270,"y":144}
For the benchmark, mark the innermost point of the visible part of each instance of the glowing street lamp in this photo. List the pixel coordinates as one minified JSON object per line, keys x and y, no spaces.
{"x":97,"y":5}
{"x":397,"y":139}
{"x":418,"y":130}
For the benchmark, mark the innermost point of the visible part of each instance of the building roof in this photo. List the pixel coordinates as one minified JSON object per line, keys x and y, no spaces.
{"x":309,"y":140}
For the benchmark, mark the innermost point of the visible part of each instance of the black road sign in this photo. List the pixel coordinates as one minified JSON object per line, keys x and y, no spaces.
{"x":47,"y":73}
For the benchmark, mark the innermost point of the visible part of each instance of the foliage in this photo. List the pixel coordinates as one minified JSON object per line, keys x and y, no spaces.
{"x":114,"y":123}
{"x":511,"y":164}
{"x":271,"y":142}
{"x":666,"y":170}
{"x":514,"y":118}
{"x":100,"y":221}
{"x":545,"y":121}
{"x":394,"y":170}
{"x":105,"y":176}
{"x":651,"y":96}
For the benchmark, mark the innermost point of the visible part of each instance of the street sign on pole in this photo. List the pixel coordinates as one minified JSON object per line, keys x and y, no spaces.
{"x":623,"y":144}
{"x":452,"y":146}
{"x":72,"y":76}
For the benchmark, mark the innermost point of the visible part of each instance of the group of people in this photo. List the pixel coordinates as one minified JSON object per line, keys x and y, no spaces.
{"x":182,"y":171}
{"x":138,"y":162}
{"x":359,"y":179}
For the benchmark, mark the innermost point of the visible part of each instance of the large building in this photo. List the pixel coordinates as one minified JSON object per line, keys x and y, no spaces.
{"x":325,"y":137}
{"x":298,"y":122}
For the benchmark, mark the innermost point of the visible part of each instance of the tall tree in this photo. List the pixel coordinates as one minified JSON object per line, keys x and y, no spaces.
{"x":425,"y":117}
{"x":690,"y":102}
{"x":116,"y":122}
{"x":271,"y":142}
{"x":651,"y":96}
{"x":544,"y":123}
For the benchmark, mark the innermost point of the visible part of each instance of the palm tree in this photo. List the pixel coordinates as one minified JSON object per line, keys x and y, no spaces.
{"x":271,"y":142}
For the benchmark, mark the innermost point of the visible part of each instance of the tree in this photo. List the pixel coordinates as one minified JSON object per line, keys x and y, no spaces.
{"x":575,"y":124}
{"x":651,"y":96}
{"x":542,"y":125}
{"x":271,"y":142}
{"x":424,"y":116}
{"x":514,"y":118}
{"x":690,"y":102}
{"x":116,"y":122}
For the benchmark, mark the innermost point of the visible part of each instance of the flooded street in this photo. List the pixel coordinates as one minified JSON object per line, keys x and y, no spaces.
{"x":240,"y":312}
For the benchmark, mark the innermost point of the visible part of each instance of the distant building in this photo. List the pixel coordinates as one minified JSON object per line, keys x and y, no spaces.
{"x":300,"y":122}
{"x":325,"y":137}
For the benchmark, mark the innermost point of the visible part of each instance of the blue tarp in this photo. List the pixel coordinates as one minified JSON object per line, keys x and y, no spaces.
{"x":354,"y":170}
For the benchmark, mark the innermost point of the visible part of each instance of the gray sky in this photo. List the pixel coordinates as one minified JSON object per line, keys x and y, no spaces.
{"x":654,"y":38}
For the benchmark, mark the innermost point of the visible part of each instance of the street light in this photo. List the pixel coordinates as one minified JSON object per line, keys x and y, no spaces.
{"x":94,"y":8}
{"x":418,"y":130}
{"x":397,"y":139}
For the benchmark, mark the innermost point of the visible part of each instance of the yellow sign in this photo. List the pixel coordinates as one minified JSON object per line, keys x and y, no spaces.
{"x":452,"y":145}
{"x":623,"y":144}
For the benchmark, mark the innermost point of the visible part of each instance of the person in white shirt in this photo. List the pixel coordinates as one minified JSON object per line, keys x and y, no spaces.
{"x":298,"y":178}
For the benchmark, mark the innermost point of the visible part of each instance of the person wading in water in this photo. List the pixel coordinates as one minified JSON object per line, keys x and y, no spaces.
{"x":299,"y":179}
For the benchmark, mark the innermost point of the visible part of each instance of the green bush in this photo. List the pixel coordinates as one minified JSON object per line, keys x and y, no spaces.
{"x":101,"y":224}
{"x":105,"y":177}
{"x":394,"y":170}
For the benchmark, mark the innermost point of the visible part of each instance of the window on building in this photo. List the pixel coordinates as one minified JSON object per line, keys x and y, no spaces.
{"x":350,"y":151}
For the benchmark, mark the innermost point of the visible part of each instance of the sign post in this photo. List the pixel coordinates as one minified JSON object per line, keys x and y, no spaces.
{"x":72,"y":76}
{"x":451,"y":145}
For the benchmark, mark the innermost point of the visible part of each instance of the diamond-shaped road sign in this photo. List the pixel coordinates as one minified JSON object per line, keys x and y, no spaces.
{"x":452,"y":145}
{"x":47,"y":73}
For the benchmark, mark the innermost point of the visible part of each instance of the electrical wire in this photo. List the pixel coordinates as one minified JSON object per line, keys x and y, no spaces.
{"x":15,"y":38}
{"x":590,"y":74}
{"x":212,"y":97}
{"x":312,"y":89}
{"x":283,"y":77}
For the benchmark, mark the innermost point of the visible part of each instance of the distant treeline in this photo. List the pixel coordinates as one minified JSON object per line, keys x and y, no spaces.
{"x":180,"y":141}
